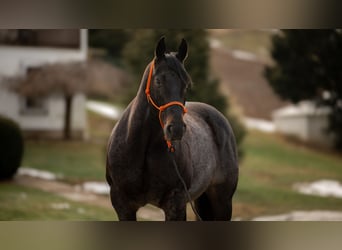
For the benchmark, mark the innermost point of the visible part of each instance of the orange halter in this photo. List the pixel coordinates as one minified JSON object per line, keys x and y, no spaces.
{"x":163,"y":107}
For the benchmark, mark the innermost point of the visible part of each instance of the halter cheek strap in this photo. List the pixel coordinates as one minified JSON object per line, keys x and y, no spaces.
{"x":163,"y":107}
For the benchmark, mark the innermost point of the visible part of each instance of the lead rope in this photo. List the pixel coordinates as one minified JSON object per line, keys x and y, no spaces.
{"x":185,"y":187}
{"x":171,"y":148}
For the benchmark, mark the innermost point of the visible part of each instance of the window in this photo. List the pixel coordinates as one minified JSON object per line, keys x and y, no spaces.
{"x":33,"y":106}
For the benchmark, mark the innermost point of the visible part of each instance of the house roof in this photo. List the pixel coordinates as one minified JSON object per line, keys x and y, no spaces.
{"x":94,"y":76}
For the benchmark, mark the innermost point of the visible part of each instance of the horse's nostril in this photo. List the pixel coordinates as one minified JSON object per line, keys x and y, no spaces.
{"x":184,"y":127}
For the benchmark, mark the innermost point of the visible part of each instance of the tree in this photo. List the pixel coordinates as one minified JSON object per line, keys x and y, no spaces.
{"x":67,"y":79}
{"x":140,"y":51}
{"x":95,"y":77}
{"x":112,"y":40}
{"x":308,"y":66}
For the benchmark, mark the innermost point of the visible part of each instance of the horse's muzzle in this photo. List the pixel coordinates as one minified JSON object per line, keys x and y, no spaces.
{"x":174,"y":131}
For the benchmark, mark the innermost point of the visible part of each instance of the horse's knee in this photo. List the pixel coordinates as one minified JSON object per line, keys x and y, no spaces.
{"x":174,"y":205}
{"x":125,"y":210}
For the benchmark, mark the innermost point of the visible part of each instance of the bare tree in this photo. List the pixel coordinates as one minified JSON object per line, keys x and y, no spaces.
{"x":94,"y":77}
{"x":67,"y":79}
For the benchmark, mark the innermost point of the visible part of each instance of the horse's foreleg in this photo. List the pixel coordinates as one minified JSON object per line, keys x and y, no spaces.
{"x":125,"y":210}
{"x":174,"y":206}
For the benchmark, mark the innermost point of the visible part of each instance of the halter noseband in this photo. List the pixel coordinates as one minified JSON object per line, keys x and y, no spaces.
{"x":162,"y":107}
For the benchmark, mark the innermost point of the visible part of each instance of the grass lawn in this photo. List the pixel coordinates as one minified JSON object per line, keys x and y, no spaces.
{"x":267,"y":174}
{"x":19,"y":203}
{"x":74,"y":161}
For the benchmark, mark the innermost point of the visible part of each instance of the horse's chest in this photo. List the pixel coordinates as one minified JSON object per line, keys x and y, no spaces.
{"x":160,"y":176}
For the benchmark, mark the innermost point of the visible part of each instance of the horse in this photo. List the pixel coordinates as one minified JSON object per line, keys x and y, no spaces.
{"x":159,"y":129}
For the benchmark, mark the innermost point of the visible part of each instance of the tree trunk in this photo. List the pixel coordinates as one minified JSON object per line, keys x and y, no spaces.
{"x":67,"y":117}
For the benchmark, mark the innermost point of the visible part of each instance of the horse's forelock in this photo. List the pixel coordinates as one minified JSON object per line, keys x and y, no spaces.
{"x":175,"y":65}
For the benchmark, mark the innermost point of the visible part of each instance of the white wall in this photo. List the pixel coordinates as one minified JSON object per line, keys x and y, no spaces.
{"x":292,"y":125}
{"x":79,"y":112}
{"x":9,"y":103}
{"x":15,"y":60}
{"x":305,"y":121}
{"x":317,"y":125}
{"x":52,"y":120}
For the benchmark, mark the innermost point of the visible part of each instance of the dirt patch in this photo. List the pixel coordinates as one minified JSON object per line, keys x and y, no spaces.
{"x":245,"y":84}
{"x":78,"y":194}
{"x":65,"y":190}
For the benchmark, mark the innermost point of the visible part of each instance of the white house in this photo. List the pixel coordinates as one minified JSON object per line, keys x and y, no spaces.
{"x":305,"y":121}
{"x":21,"y":50}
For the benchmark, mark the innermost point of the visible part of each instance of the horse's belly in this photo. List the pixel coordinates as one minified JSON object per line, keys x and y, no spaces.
{"x":203,"y":154}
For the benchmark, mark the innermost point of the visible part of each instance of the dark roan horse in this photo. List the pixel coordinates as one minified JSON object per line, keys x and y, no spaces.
{"x":158,"y":129}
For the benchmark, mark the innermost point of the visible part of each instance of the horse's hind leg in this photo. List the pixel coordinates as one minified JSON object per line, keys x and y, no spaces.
{"x":216,"y":203}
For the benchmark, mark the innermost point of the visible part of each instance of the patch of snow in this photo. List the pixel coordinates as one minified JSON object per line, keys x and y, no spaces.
{"x":244,"y":55}
{"x":215,"y":43}
{"x":96,"y":187}
{"x":32,"y":172}
{"x":323,"y":188}
{"x":317,"y":215}
{"x":259,"y":124}
{"x":60,"y":206}
{"x":237,"y":54}
{"x":104,"y":109}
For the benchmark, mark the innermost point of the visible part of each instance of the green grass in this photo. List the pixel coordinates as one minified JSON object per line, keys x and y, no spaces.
{"x":22,"y":203}
{"x":73,"y":161}
{"x":270,"y":169}
{"x":99,"y":127}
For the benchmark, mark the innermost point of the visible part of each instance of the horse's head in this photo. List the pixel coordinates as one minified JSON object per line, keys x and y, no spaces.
{"x":168,"y":85}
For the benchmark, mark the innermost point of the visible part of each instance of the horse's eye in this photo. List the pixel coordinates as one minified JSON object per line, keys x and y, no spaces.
{"x":157,"y":81}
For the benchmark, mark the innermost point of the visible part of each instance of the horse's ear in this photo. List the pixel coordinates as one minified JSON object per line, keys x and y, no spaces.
{"x":160,"y":49}
{"x":182,"y":51}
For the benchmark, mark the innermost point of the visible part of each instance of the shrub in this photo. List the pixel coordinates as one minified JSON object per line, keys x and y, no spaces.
{"x":11,"y":148}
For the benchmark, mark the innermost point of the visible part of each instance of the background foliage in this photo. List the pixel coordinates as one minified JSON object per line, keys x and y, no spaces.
{"x":308,"y":66}
{"x":11,"y":147}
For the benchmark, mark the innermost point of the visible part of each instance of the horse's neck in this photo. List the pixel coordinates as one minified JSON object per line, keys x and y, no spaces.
{"x":142,"y":119}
